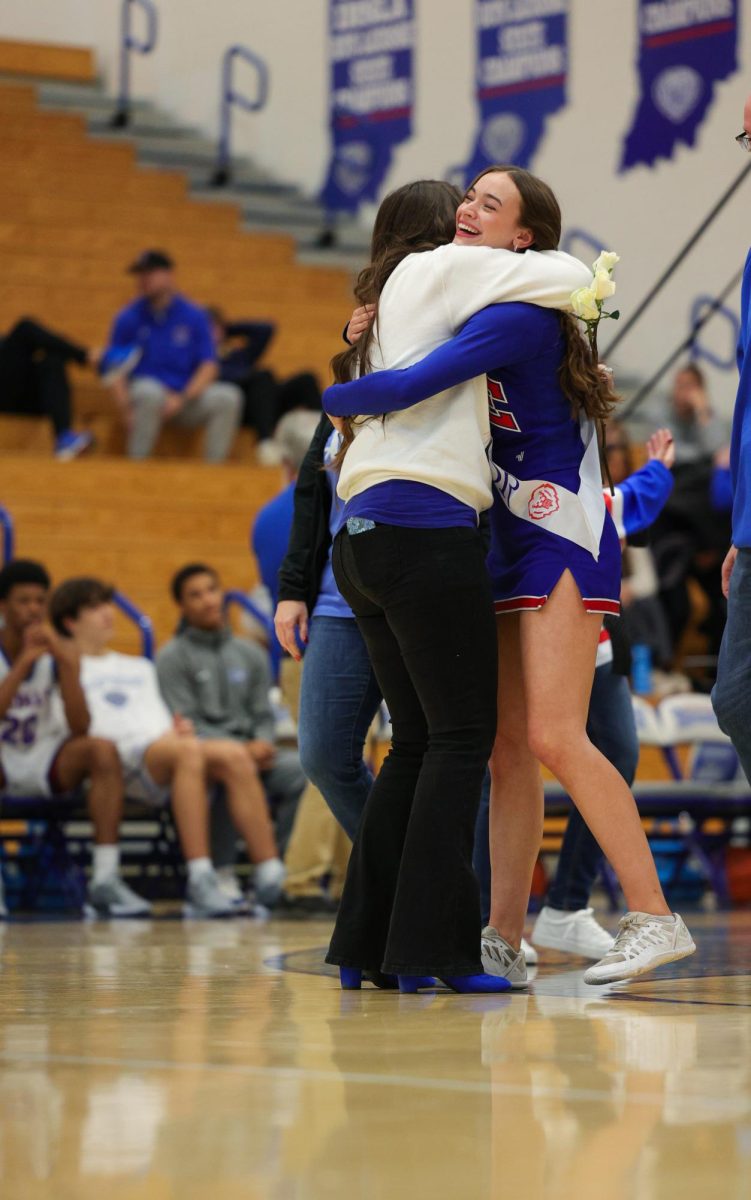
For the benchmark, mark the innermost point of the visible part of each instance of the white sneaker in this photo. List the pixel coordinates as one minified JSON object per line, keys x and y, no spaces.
{"x":531,"y":956}
{"x":501,"y":959}
{"x":642,"y":943}
{"x":268,"y":878}
{"x":229,"y":886}
{"x":572,"y":933}
{"x":204,"y":899}
{"x":113,"y":898}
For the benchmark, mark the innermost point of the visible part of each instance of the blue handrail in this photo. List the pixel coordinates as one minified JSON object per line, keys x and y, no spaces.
{"x":9,"y":537}
{"x":234,"y":596}
{"x":574,"y":240}
{"x":698,"y":308}
{"x":145,"y":627}
{"x":128,"y":42}
{"x":230,"y":97}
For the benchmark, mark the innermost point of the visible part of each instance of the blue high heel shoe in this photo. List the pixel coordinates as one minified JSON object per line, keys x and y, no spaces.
{"x":467,"y":984}
{"x":351,"y":979}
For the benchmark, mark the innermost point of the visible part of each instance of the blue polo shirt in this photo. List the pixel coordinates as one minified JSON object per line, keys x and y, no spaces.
{"x":740,"y":446}
{"x":174,"y":341}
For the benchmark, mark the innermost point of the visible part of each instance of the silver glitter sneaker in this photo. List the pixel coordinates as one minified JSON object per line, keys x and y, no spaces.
{"x":501,"y":959}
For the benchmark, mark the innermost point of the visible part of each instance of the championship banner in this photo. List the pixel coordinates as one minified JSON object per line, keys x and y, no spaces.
{"x":522,"y":65}
{"x":372,"y":58}
{"x":685,"y":48}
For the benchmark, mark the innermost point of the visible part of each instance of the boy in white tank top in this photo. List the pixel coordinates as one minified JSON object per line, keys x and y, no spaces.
{"x":46,"y":749}
{"x":162,"y":759}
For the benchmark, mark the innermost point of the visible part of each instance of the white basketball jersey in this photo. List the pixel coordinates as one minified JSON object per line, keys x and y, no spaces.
{"x":126,"y":706}
{"x":33,"y":727}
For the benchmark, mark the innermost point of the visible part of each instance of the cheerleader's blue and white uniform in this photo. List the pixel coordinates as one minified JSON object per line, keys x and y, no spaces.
{"x":548,"y":514}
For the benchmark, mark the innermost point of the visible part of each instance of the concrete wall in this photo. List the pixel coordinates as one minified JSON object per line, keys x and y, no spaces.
{"x":645,"y":215}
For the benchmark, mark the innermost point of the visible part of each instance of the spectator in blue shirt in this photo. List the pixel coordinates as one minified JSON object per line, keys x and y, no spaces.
{"x":732,"y":692}
{"x":272,"y":526}
{"x":175,"y":378}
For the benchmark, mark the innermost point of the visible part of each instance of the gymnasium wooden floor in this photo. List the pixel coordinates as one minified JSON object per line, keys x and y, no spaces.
{"x":182,"y":1060}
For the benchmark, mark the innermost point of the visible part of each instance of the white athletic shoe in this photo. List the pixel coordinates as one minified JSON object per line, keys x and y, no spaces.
{"x":113,"y":898}
{"x":268,"y":878}
{"x":572,"y":933}
{"x":501,"y":959}
{"x":229,"y":885}
{"x":531,"y":957}
{"x":204,"y":899}
{"x":642,"y":943}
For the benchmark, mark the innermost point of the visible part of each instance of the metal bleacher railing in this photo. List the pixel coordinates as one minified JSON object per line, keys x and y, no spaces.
{"x":139,"y":618}
{"x":8,"y":535}
{"x":230,"y":98}
{"x":130,"y":42}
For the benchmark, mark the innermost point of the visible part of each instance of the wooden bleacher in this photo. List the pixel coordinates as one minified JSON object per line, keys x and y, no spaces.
{"x":134,"y":524}
{"x":75,"y":210}
{"x":41,"y":60}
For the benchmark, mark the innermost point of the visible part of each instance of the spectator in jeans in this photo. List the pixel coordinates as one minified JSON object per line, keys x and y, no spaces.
{"x":161,"y":754}
{"x":240,"y":344}
{"x":175,"y":378}
{"x":339,"y":695}
{"x":46,"y":748}
{"x":319,"y":848}
{"x":221,"y":683}
{"x":34,"y":380}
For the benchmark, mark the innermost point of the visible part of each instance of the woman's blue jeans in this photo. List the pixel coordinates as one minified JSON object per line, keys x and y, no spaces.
{"x":339,"y":697}
{"x":611,"y":728}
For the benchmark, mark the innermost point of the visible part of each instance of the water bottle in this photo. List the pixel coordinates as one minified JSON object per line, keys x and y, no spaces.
{"x":641,"y":670}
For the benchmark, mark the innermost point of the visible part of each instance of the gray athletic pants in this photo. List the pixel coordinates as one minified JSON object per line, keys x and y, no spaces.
{"x":218,"y":408}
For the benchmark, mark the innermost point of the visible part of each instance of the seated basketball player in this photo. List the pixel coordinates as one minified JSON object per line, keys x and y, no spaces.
{"x":221,"y":682}
{"x":160,"y":753}
{"x":46,"y":748}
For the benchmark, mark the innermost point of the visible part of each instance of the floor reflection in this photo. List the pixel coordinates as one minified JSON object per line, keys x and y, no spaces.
{"x":171,"y":1058}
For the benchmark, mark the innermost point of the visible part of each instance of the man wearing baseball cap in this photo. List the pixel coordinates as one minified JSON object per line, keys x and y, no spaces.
{"x":175,"y":378}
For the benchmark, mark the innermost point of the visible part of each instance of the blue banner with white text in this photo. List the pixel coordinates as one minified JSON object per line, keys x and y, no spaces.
{"x":522,"y":69}
{"x":372,"y":89}
{"x":685,"y":48}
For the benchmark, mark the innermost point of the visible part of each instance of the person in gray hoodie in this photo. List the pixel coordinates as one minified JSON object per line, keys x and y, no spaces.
{"x":221,"y":683}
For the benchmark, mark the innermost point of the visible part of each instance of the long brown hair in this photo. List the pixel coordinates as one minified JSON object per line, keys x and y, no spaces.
{"x":588,"y":389}
{"x":410,"y":220}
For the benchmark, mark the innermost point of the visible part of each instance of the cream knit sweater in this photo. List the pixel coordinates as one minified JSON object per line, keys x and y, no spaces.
{"x":444,"y":441}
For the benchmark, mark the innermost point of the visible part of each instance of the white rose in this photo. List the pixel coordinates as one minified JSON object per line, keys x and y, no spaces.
{"x":602,"y":285}
{"x":584,"y":304}
{"x":606,"y":261}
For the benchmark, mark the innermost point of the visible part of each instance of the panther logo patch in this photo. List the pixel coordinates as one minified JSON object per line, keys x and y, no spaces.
{"x":543,"y":502}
